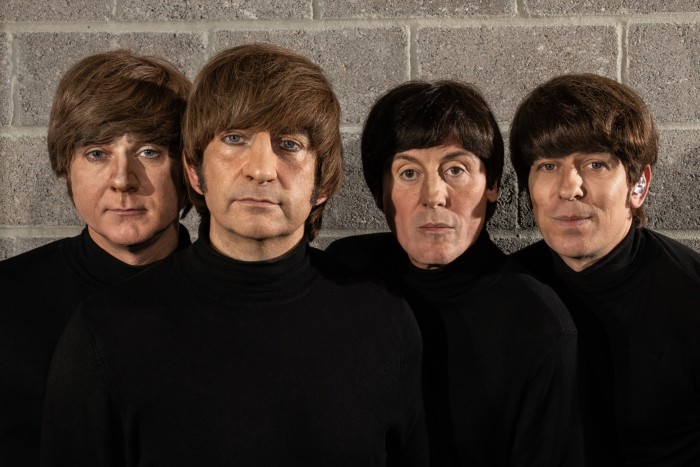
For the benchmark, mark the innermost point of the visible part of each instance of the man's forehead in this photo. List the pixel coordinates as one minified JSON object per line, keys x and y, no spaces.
{"x":577,"y":155}
{"x":444,"y":152}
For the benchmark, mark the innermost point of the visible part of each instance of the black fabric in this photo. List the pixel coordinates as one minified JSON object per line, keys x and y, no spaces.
{"x":638,"y":315}
{"x":41,"y":289}
{"x":499,"y":372}
{"x":210,"y":361}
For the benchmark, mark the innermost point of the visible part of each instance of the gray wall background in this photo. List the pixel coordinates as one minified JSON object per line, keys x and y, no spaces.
{"x":505,"y":47}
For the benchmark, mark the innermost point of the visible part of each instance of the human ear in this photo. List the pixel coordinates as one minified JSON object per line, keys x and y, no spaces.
{"x":492,"y":193}
{"x":320,"y":199}
{"x":641,"y":190}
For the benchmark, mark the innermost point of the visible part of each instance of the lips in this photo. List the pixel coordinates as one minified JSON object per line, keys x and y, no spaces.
{"x":257,"y":201}
{"x":435,"y":227}
{"x":571,"y":221}
{"x":127,"y":211}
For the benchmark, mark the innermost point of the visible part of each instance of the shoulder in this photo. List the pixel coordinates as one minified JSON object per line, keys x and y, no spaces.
{"x":156,"y":286}
{"x":673,"y":249}
{"x":45,"y":256}
{"x":532,"y":254}
{"x":536,"y":299}
{"x":359,"y":249}
{"x":355,"y":275}
{"x":373,"y":255}
{"x":536,"y":260}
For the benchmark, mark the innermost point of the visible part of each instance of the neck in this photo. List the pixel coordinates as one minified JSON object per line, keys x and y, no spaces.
{"x":159,"y":246}
{"x":250,"y":249}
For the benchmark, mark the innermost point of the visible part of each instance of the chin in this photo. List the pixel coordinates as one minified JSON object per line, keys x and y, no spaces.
{"x":437,"y":259}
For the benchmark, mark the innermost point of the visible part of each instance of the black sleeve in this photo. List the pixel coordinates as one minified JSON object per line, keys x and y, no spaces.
{"x":80,"y":420}
{"x":407,"y":445}
{"x":548,"y":432}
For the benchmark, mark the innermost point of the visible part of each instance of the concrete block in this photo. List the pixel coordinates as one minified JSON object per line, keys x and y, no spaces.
{"x":511,"y":243}
{"x":191,"y":222}
{"x":56,"y":10}
{"x":353,"y":207}
{"x":7,"y":248}
{"x":216,"y":10}
{"x":323,"y":240}
{"x":606,"y":7}
{"x":360,"y":63}
{"x":663,"y":68}
{"x":508,"y":62}
{"x":5,"y":80}
{"x":414,"y":8}
{"x":526,"y":219}
{"x":30,"y":194}
{"x":672,"y":203}
{"x":506,"y":215}
{"x":43,"y":58}
{"x":693,"y":243}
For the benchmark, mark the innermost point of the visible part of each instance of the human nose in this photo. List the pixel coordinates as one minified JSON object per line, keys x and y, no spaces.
{"x":123,"y":177}
{"x":261,"y":163}
{"x":571,"y":185}
{"x":433,"y":191}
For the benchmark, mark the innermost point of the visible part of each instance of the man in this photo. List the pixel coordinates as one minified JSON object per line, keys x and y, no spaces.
{"x":583,"y":147}
{"x":500,"y":348}
{"x":114,"y":135}
{"x":249,"y":348}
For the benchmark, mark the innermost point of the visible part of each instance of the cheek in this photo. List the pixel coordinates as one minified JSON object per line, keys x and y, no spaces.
{"x":84,"y":186}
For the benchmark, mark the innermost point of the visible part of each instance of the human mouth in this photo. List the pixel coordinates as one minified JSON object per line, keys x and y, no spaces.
{"x":435,"y":228}
{"x":127,"y":212}
{"x":257,"y":202}
{"x":571,"y":221}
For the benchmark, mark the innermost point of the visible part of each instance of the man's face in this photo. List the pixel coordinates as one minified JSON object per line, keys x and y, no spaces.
{"x":435,"y":202}
{"x":126,"y":193}
{"x":258,"y":187}
{"x":582,"y":205}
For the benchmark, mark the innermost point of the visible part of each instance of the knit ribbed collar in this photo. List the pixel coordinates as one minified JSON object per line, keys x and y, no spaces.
{"x":612,"y":272}
{"x":97,"y":267}
{"x":272,"y":282}
{"x":470,"y":271}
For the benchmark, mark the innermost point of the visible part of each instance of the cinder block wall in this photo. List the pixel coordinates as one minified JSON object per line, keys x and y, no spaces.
{"x":505,"y":47}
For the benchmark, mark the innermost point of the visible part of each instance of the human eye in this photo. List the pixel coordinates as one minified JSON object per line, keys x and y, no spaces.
{"x":94,"y":155}
{"x":546,"y":166}
{"x":455,"y":170}
{"x":597,"y":165}
{"x":149,"y":153}
{"x":291,"y":145}
{"x":408,"y":174}
{"x":232,"y":139}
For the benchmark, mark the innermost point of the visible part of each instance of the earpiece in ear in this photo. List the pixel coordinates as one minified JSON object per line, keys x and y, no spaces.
{"x":639,"y":188}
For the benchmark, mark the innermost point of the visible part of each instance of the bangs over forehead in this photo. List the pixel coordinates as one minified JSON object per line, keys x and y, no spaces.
{"x":108,"y":95}
{"x":242,"y":89}
{"x":421,"y":115}
{"x":439,"y":117}
{"x":583,"y":113}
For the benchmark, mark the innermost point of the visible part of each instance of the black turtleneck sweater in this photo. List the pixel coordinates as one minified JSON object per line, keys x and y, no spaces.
{"x":205,"y":360}
{"x":499,"y":370}
{"x":638,"y":315}
{"x":41,"y":289}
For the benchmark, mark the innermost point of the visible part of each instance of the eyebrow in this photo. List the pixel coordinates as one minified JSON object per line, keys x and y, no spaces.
{"x":294,"y":131}
{"x":447,"y":157}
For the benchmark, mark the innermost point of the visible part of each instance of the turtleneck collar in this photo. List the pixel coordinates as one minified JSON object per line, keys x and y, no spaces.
{"x":273,"y":282}
{"x":471,"y":269}
{"x":97,"y":267}
{"x":611,"y":271}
